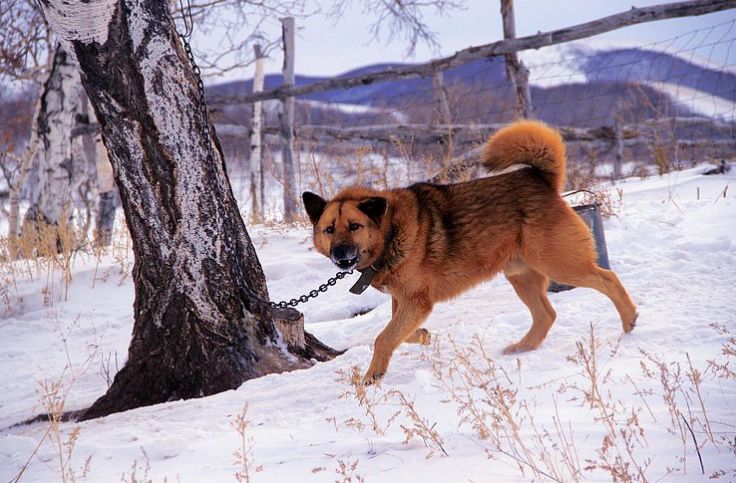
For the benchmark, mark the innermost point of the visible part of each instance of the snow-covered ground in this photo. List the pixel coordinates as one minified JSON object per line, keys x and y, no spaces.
{"x":676,"y":255}
{"x":562,"y":64}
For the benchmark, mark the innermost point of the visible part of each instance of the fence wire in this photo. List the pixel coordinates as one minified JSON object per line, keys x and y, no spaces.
{"x":676,"y":99}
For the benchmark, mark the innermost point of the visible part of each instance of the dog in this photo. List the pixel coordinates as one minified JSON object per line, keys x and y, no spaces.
{"x":428,"y":243}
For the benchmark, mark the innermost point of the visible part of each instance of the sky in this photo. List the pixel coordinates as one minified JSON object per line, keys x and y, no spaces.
{"x":326,"y":48}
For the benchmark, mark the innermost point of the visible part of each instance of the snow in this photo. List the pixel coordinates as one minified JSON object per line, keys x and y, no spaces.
{"x":563,"y":64}
{"x":699,"y":102}
{"x":676,"y":255}
{"x":346,"y":108}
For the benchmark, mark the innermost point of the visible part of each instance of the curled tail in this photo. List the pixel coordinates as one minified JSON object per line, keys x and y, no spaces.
{"x":528,"y":142}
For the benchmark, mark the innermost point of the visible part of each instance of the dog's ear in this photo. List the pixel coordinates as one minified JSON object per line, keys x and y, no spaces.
{"x":314,"y":205}
{"x":374,"y":207}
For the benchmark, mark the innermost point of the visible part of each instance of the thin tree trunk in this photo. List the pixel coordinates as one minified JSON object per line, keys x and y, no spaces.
{"x":619,"y":140}
{"x":197,"y":329}
{"x":256,"y":138}
{"x":106,"y":199}
{"x":440,"y":95}
{"x":16,"y":188}
{"x":105,"y":221}
{"x":287,"y":123}
{"x":59,"y":102}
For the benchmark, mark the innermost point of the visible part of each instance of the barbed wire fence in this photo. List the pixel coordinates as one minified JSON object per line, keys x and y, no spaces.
{"x":661,"y":105}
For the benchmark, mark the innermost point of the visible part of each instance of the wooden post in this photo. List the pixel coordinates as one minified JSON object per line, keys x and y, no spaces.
{"x":516,"y":72}
{"x":632,"y":16}
{"x":440,"y":95}
{"x":256,"y":137}
{"x":618,"y":133}
{"x":286,"y":118}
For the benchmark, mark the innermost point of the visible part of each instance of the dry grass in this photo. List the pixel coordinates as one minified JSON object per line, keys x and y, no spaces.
{"x":346,"y":472}
{"x":50,"y":253}
{"x":374,"y":402}
{"x":624,"y":435}
{"x":140,"y":471}
{"x":490,"y":400}
{"x":487,"y":399}
{"x":53,"y":395}
{"x":244,"y":454}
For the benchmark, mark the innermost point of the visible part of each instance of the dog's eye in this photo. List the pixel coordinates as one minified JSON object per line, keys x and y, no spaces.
{"x":330,"y":230}
{"x":354,"y":226}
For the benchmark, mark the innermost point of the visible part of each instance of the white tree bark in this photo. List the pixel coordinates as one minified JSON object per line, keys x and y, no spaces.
{"x":199,"y":328}
{"x":256,"y":136}
{"x":59,"y":103}
{"x":287,"y":123}
{"x":16,"y":187}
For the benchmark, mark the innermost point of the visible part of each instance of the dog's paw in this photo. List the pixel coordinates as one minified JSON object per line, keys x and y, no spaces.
{"x":628,"y":327}
{"x":517,"y":348}
{"x":423,"y":337}
{"x":372,"y":378}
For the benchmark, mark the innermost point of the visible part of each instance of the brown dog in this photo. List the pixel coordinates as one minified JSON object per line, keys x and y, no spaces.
{"x":428,"y":243}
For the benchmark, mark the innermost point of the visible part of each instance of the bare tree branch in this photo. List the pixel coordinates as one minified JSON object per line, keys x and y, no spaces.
{"x":25,"y":42}
{"x":400,"y":19}
{"x":612,"y":22}
{"x":236,"y":25}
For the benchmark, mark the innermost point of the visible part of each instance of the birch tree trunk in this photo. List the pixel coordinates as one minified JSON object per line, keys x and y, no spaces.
{"x":256,"y":138}
{"x":197,"y":328}
{"x":54,"y":124}
{"x":105,"y":220}
{"x":286,"y":117}
{"x":16,"y":188}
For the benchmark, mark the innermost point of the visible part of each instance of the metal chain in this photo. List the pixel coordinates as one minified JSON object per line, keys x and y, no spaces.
{"x":332,"y":281}
{"x":310,"y":295}
{"x":200,"y":88}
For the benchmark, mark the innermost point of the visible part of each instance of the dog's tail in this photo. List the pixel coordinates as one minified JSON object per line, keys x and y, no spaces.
{"x":528,"y":142}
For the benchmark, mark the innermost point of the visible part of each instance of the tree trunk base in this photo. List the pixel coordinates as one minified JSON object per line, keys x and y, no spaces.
{"x":290,"y":323}
{"x":205,"y":371}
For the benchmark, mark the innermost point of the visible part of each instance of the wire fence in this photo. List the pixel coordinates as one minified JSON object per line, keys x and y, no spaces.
{"x":579,"y":85}
{"x":674,"y":101}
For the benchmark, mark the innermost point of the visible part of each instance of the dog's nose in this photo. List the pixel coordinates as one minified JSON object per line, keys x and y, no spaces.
{"x":344,"y":256}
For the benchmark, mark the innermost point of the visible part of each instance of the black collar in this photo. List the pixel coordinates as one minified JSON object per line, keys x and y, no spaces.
{"x":367,"y":274}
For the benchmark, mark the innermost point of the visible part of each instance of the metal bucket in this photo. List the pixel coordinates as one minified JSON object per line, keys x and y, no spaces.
{"x":591,"y":215}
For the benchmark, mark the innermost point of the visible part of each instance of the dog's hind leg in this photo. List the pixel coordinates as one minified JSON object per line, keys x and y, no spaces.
{"x":531,"y":287}
{"x":565,"y":253}
{"x":606,"y":282}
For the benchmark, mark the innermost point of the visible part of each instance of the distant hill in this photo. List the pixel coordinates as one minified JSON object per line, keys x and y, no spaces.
{"x":589,"y":85}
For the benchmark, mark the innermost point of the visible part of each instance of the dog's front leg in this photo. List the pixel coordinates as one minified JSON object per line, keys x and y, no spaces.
{"x":408,"y":315}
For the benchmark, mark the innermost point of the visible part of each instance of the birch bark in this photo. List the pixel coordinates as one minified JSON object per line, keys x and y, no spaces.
{"x":53,"y":126}
{"x":197,"y":328}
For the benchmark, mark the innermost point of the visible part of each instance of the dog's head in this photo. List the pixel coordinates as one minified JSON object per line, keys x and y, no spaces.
{"x":348,"y":228}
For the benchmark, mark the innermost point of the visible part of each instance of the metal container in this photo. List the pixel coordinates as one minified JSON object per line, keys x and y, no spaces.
{"x":591,"y":215}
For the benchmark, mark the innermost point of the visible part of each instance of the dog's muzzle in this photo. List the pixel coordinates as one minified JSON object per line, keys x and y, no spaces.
{"x":345,"y":256}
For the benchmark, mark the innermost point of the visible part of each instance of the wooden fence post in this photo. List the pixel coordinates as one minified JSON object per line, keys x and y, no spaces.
{"x":440,"y":95}
{"x":619,"y":136}
{"x":516,"y":71}
{"x":256,"y":137}
{"x":286,"y":118}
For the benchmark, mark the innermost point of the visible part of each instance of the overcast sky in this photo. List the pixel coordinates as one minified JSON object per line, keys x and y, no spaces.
{"x":324,"y":48}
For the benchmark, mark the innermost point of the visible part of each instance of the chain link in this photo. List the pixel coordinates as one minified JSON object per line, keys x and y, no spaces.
{"x":206,"y":123}
{"x":309,"y":295}
{"x":200,"y":88}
